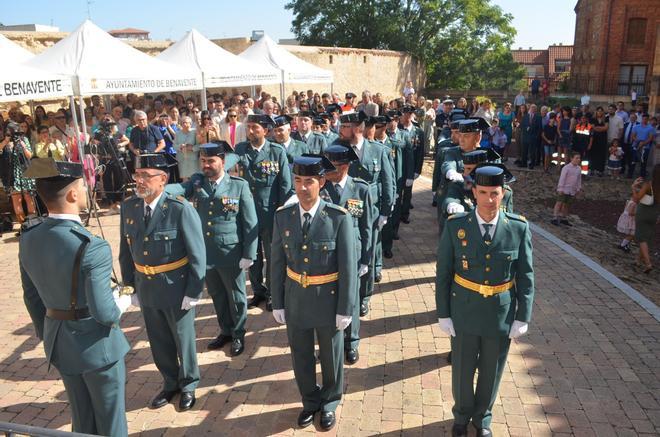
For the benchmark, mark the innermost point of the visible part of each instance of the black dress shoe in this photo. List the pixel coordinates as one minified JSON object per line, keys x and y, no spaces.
{"x":483,"y":432}
{"x":237,"y":347}
{"x":327,"y":420}
{"x":388,"y":254}
{"x":255,"y":301}
{"x":449,"y":358}
{"x":163,"y":398}
{"x":187,"y":400}
{"x":458,"y":430}
{"x":364,"y":309}
{"x":411,"y":206}
{"x":305,"y":418}
{"x":219,"y":342}
{"x":434,"y":203}
{"x":352,"y":356}
{"x":378,"y":277}
{"x":405,"y":220}
{"x":269,"y":304}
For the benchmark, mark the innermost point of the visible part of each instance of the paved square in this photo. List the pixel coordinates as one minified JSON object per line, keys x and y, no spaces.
{"x":590,"y":364}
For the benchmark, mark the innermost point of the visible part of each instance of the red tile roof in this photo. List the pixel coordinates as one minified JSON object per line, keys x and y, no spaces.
{"x":530,"y":56}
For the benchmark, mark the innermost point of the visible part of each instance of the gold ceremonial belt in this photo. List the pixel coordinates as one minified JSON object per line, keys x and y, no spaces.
{"x":484,"y":290}
{"x":305,"y":280}
{"x":153,"y":270}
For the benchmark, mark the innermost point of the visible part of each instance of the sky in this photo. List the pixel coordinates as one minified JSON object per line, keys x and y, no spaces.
{"x":539,"y":23}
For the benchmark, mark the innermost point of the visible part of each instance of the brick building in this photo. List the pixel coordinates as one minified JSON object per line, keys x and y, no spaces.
{"x":616,"y":45}
{"x":547,"y":63}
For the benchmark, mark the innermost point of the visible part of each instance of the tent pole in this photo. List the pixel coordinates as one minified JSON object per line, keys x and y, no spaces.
{"x":83,"y":123}
{"x":205,"y":103}
{"x":282,"y":102}
{"x":32,"y":110}
{"x":76,"y":128}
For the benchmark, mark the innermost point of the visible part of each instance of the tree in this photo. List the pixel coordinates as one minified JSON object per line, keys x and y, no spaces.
{"x":463,"y":43}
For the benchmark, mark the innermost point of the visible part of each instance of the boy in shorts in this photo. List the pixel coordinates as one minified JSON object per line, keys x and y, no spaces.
{"x":570,"y":184}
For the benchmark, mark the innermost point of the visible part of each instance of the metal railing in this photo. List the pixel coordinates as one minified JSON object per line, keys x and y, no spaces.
{"x":14,"y":430}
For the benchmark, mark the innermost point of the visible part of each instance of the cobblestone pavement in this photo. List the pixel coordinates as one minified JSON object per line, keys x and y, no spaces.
{"x":589,"y":366}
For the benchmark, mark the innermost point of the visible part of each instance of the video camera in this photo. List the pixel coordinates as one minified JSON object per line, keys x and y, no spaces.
{"x":105,"y":130}
{"x":14,"y":132}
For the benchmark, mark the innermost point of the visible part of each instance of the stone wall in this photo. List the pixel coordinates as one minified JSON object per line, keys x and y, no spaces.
{"x":354,"y":70}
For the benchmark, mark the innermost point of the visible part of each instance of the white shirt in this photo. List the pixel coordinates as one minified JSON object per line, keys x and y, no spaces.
{"x":152,"y":205}
{"x":287,"y":144}
{"x":312,"y":211}
{"x":215,"y":183}
{"x":358,"y":148}
{"x":483,"y":222}
{"x":585,"y":100}
{"x":305,"y":136}
{"x":258,"y":149}
{"x":74,"y":217}
{"x":342,"y":183}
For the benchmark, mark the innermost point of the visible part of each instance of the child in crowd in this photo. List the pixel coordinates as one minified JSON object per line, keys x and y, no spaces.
{"x":614,"y":161}
{"x":626,"y":224}
{"x":497,"y":137}
{"x":549,"y":136}
{"x":570,"y":184}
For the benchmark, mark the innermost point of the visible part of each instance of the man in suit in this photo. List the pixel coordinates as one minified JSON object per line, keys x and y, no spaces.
{"x":314,"y":140}
{"x":629,"y":154}
{"x":374,"y":167}
{"x":162,"y":255}
{"x":229,"y":223}
{"x":531,"y":126}
{"x":66,"y":274}
{"x":484,"y":296}
{"x":263,"y":164}
{"x":313,"y":259}
{"x":353,"y":194}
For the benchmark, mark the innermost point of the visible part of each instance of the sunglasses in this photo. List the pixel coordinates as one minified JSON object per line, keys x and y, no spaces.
{"x":232,"y":116}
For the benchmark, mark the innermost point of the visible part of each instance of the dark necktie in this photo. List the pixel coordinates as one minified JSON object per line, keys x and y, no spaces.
{"x":147,"y":215}
{"x":339,"y":189}
{"x":306,"y":222}
{"x":487,"y":236}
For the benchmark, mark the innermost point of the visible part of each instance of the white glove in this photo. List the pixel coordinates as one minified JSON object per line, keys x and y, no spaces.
{"x":135,"y":300}
{"x":363,"y":269}
{"x":447,"y":326}
{"x":342,"y":322}
{"x":409,"y":182}
{"x":245,"y":263}
{"x":455,"y":176}
{"x":518,"y":328}
{"x":291,"y":200}
{"x":278,"y":315}
{"x":123,"y":302}
{"x":381,"y":222}
{"x":415,"y":175}
{"x":189,"y":303}
{"x":454,"y":207}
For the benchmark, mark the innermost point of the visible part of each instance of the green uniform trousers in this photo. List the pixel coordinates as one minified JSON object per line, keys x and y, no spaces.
{"x":97,"y":400}
{"x":226,"y":286}
{"x":468,"y":354}
{"x":378,"y":249}
{"x":331,"y":355}
{"x":391,"y":228}
{"x":406,"y":202}
{"x":257,"y":269}
{"x":352,"y":331}
{"x":171,"y":334}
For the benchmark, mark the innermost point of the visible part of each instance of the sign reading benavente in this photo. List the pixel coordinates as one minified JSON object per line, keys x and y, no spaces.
{"x":22,"y":88}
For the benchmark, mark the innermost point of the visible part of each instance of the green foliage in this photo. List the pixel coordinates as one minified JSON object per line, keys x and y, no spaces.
{"x":464,"y":43}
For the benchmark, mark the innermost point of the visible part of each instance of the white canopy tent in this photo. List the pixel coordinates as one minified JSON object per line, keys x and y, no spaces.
{"x":218,"y":67}
{"x":12,"y":51}
{"x":292,"y":68}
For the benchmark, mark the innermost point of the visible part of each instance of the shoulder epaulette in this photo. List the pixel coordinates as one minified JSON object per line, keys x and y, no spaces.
{"x":278,"y":146}
{"x":508,"y":188}
{"x":337,"y":207}
{"x":283,"y":207}
{"x":361,"y":181}
{"x":518,"y":217}
{"x":236,"y":178}
{"x":31,"y":223}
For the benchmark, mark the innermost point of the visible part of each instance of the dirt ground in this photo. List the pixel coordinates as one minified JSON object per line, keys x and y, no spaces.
{"x":594,"y":216}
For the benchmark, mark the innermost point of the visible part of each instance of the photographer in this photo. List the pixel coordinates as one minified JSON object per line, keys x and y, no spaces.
{"x":16,"y":154}
{"x":111,"y":150}
{"x":145,"y":138}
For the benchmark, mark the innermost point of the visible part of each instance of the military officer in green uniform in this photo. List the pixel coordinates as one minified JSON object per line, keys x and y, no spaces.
{"x":329,"y":135}
{"x":438,"y":183}
{"x":484,"y":296}
{"x":414,"y":136}
{"x":282,"y":136}
{"x":353,"y":194}
{"x":229,"y":223}
{"x":66,"y":274}
{"x":314,"y":274}
{"x":315,"y":141}
{"x":162,"y":255}
{"x":263,"y":165}
{"x":375,"y":167}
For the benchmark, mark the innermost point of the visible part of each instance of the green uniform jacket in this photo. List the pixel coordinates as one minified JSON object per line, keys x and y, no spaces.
{"x":330,"y":137}
{"x":377,"y":170}
{"x":463,"y":251}
{"x":356,"y":199}
{"x":440,"y":157}
{"x":295,"y":149}
{"x":264,"y":171}
{"x":453,"y":160}
{"x":316,"y":142}
{"x":174,"y":232}
{"x":415,"y":139}
{"x":228,"y":215}
{"x":404,"y":165}
{"x":46,"y":257}
{"x":329,"y":248}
